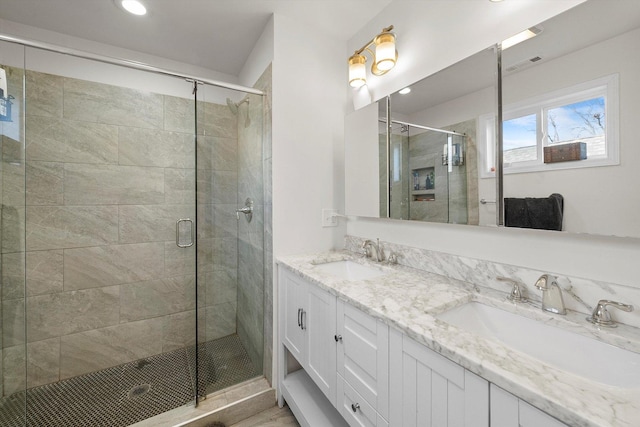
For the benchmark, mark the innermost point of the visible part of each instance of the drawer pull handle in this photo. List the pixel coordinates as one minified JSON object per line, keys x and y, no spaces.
{"x":337,"y":338}
{"x":299,"y":321}
{"x":355,"y":407}
{"x":303,"y":318}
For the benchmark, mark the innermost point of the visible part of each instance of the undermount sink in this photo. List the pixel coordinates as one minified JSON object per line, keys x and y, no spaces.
{"x":350,"y":270}
{"x":568,"y":351}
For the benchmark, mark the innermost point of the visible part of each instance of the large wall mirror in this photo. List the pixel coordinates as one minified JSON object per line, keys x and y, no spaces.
{"x":414,"y":155}
{"x":571,"y":101}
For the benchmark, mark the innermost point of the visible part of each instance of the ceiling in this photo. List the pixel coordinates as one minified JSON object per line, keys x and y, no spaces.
{"x":215,"y":34}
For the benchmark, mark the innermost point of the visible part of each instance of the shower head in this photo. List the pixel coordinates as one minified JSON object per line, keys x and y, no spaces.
{"x":233,"y":106}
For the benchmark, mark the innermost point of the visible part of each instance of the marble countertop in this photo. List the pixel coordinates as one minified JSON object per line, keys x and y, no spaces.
{"x":409,"y":299}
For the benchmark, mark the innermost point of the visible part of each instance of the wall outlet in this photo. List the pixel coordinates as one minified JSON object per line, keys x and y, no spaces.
{"x":329,"y":217}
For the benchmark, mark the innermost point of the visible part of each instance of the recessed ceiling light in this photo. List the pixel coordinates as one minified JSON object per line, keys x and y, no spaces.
{"x":134,"y":7}
{"x":520,"y":37}
{"x":404,"y":91}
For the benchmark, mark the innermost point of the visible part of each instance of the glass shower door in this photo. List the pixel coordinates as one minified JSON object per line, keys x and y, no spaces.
{"x":230,"y":237}
{"x":110,"y":296}
{"x":13,"y":356}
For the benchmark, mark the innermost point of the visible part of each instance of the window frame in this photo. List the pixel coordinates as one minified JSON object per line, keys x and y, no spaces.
{"x":607,"y":86}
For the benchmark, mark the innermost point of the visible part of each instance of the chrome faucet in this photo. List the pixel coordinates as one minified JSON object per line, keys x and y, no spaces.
{"x":551,"y":294}
{"x":373,"y":250}
{"x":600,"y":315}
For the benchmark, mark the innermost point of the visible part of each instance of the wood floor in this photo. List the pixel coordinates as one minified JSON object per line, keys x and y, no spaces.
{"x":273,"y":417}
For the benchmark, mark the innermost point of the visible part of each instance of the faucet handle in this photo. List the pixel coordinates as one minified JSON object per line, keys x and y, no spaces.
{"x":516,"y":291}
{"x":602,"y":317}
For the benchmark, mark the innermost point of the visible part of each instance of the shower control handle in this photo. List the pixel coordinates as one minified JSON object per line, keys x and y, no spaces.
{"x":247,"y":210}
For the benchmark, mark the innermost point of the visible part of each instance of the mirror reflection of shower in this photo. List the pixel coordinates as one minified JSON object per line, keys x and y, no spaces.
{"x":235,"y":107}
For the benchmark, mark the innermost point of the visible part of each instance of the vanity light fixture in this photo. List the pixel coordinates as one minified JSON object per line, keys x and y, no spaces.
{"x":384,"y":57}
{"x":404,"y":91}
{"x":520,"y":37}
{"x":134,"y":7}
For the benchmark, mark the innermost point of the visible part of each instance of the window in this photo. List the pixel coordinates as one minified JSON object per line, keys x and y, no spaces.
{"x":582,"y":113}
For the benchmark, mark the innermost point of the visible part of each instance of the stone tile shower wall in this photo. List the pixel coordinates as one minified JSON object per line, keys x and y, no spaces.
{"x":464,"y":197}
{"x":108,"y":172}
{"x":254,"y":321}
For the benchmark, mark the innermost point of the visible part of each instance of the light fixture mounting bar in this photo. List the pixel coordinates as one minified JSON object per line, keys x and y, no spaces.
{"x":370,"y":42}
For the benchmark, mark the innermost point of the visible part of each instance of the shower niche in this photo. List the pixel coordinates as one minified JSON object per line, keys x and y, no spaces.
{"x":424,"y":184}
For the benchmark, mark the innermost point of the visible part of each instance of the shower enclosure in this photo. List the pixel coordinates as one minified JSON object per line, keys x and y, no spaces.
{"x":428,"y":173}
{"x":130,"y":284}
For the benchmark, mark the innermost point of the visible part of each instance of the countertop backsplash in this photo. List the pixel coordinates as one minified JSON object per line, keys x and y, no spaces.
{"x":580,"y":294}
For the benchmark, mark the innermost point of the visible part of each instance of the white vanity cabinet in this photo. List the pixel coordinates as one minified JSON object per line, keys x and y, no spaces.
{"x":308,"y":325}
{"x":509,"y":411}
{"x":359,"y":372}
{"x":363,"y":367}
{"x":429,"y":390}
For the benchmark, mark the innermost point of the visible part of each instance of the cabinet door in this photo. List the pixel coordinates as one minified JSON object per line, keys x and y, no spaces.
{"x":292,"y":304}
{"x":319,"y":322}
{"x":504,"y":408}
{"x":509,"y":411}
{"x":534,"y":417}
{"x":429,"y":390}
{"x":363,"y":356}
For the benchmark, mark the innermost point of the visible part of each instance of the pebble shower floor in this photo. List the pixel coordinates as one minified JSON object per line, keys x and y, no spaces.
{"x":129,"y":393}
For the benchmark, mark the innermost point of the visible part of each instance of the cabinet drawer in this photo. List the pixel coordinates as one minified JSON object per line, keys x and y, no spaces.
{"x":363,"y":356}
{"x":355,"y":409}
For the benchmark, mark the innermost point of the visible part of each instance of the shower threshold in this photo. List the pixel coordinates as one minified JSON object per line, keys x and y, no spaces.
{"x":132,"y":392}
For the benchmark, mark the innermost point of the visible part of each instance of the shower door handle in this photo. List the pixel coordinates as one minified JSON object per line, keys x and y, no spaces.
{"x":179,"y":243}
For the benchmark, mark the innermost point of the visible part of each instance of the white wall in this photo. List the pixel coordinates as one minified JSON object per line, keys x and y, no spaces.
{"x":428,"y":46}
{"x":260,"y":57}
{"x":308,"y":145}
{"x":362,"y":160}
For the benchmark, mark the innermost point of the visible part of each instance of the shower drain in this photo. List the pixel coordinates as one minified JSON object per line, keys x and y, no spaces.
{"x":139,"y":390}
